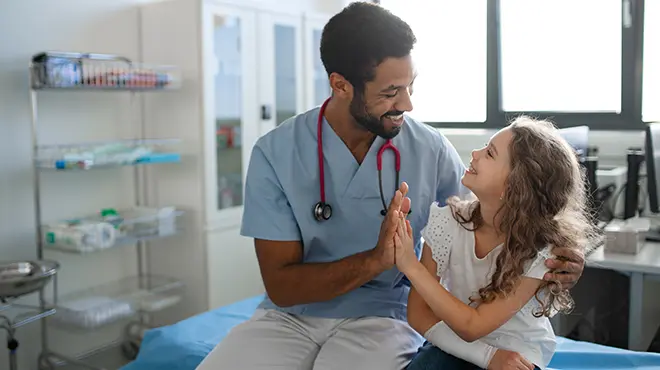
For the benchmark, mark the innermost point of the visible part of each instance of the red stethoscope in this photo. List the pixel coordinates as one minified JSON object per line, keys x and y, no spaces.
{"x":323,"y":210}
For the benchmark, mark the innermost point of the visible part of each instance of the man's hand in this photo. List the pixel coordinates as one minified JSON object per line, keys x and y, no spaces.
{"x":508,"y":360}
{"x":568,"y":267}
{"x":385,"y":249}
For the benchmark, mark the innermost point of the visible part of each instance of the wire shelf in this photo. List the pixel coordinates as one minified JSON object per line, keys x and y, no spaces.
{"x":113,"y":302}
{"x":16,"y":315}
{"x":86,"y":156}
{"x":111,"y":228}
{"x":69,"y":70}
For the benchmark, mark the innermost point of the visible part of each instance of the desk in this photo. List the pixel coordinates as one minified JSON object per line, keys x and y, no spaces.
{"x":643,"y":321}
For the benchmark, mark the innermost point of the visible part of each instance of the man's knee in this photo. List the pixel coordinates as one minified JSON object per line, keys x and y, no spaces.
{"x":262,"y":343}
{"x":381,"y":344}
{"x":230,"y":352}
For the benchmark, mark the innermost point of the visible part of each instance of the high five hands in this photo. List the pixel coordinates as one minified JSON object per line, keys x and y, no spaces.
{"x":395,"y":242}
{"x":404,"y":246}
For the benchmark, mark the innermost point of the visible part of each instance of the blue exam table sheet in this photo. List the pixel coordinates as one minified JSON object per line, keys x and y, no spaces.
{"x":182,"y":346}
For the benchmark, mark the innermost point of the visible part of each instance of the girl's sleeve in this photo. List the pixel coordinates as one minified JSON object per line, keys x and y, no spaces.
{"x":536,"y":268}
{"x":478,"y":352}
{"x":438,"y":234}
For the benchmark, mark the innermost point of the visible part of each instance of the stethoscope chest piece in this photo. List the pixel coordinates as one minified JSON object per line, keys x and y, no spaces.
{"x":322,"y":211}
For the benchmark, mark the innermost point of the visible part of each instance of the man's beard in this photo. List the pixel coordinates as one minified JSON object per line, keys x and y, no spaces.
{"x":371,"y":123}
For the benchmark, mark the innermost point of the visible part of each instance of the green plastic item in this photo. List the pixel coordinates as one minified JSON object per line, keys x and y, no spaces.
{"x":109,"y":212}
{"x":112,"y":216}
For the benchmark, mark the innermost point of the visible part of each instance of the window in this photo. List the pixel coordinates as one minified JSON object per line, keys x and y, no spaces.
{"x":450,"y":57}
{"x":561,"y":55}
{"x":651,"y":84}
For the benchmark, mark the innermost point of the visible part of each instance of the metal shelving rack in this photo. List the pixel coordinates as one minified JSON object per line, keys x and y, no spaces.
{"x":132,"y":297}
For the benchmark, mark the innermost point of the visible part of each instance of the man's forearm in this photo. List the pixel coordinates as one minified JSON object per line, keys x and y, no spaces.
{"x":303,"y":283}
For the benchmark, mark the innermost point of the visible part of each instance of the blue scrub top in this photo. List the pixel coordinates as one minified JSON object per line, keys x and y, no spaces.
{"x":282,"y":187}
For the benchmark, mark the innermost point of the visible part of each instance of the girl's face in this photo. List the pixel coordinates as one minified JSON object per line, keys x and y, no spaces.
{"x":489,"y":168}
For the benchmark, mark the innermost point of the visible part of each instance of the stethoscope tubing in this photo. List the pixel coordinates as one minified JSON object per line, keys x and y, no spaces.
{"x":320,"y":207}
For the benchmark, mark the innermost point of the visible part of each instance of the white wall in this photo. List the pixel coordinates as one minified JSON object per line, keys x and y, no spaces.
{"x":103,"y":26}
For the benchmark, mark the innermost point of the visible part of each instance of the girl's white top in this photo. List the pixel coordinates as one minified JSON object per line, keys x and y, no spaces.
{"x":463,"y":274}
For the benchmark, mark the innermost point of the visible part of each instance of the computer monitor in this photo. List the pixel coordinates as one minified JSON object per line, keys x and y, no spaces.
{"x":635,"y":157}
{"x":578,"y":138}
{"x":652,"y":158}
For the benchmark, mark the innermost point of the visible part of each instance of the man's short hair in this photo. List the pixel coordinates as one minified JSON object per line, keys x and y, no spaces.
{"x":360,"y":37}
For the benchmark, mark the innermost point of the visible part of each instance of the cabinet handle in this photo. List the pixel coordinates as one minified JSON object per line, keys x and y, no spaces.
{"x":266,"y":112}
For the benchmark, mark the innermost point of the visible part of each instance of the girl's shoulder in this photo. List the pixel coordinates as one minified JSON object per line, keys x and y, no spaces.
{"x":455,"y":209}
{"x":443,"y":232}
{"x":443,"y":218}
{"x":439,"y":214}
{"x":442,"y":225}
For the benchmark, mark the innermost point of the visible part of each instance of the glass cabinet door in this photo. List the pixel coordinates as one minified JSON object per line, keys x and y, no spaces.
{"x":316,"y":78}
{"x":232,"y":126}
{"x":281,"y":68}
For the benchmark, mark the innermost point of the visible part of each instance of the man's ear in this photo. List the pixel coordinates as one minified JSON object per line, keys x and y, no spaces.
{"x":341,"y":87}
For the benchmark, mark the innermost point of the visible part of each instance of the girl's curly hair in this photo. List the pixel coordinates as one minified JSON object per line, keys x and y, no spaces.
{"x":545,"y":203}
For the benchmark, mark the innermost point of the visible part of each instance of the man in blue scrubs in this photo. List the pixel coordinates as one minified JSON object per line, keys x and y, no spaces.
{"x":335,"y":299}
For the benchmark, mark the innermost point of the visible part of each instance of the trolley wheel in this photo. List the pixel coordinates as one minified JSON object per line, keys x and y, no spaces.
{"x":135,"y":331}
{"x":130,"y":349}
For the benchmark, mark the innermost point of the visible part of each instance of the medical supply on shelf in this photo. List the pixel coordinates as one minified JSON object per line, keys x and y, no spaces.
{"x":157,"y":302}
{"x":86,"y":70}
{"x":118,"y":153}
{"x":104,"y":305}
{"x":109,"y":228}
{"x":80,"y":235}
{"x":92,"y":312}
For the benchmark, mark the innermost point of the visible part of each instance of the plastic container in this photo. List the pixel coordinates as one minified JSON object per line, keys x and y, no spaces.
{"x":106,"y":304}
{"x":110,"y":228}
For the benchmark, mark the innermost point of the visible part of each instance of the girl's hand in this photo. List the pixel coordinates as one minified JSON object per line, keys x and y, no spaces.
{"x":508,"y":360}
{"x":404,"y":246}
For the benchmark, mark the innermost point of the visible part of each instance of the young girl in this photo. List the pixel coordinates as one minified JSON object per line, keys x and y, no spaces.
{"x":490,"y":253}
